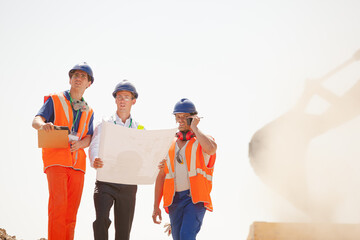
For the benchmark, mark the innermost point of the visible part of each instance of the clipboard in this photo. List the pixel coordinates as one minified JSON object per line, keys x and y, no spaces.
{"x":54,"y":139}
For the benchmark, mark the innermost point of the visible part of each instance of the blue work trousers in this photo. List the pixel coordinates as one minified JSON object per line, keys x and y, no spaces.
{"x":185,"y":216}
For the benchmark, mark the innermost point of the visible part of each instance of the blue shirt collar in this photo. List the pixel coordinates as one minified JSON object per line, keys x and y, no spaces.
{"x":67,"y":94}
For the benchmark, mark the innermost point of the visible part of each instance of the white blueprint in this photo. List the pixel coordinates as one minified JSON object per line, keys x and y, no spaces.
{"x":131,"y":156}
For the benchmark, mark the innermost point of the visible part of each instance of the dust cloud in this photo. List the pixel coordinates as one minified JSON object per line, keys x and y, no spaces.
{"x":292,"y":154}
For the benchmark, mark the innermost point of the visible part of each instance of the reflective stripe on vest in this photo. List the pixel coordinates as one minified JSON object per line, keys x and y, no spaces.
{"x":171,"y":155}
{"x":171,"y":173}
{"x":65,"y":107}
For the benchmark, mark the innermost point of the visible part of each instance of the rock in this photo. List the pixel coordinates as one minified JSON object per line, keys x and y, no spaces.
{"x":5,"y":236}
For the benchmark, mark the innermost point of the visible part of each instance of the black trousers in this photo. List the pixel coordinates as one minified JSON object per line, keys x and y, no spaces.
{"x":123,"y":198}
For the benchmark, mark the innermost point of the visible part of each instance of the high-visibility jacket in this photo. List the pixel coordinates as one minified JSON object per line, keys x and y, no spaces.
{"x":200,"y":175}
{"x":63,"y":116}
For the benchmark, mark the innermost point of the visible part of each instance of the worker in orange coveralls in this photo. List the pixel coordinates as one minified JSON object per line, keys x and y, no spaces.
{"x":65,"y":167}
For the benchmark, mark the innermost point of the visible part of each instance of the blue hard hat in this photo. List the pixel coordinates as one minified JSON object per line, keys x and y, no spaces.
{"x":125,"y":85}
{"x":83,"y":67}
{"x":185,"y":106}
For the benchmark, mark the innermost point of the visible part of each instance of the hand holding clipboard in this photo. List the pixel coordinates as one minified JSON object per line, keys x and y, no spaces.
{"x":58,"y":138}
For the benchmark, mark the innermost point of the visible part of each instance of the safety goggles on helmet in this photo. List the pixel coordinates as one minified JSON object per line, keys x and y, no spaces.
{"x":83,"y":67}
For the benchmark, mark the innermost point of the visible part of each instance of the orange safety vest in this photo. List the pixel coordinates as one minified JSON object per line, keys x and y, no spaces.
{"x":200,"y":176}
{"x":63,"y":116}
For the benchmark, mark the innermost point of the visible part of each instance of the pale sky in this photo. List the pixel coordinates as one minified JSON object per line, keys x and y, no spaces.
{"x":243,"y":64}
